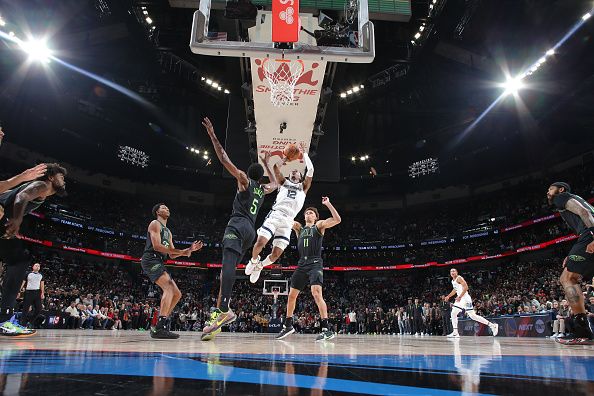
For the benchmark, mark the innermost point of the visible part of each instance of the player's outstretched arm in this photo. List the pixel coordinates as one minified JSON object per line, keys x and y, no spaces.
{"x":28,"y":175}
{"x":154,"y":233}
{"x":280,"y":179}
{"x":310,"y":172}
{"x":241,"y":177}
{"x":331,"y":221}
{"x":270,"y":187}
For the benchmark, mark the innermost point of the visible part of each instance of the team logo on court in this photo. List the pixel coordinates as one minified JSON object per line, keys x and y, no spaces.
{"x":575,"y":257}
{"x":539,"y":326}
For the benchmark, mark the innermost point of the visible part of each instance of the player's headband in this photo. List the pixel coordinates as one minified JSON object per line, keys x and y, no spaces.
{"x":562,"y":184}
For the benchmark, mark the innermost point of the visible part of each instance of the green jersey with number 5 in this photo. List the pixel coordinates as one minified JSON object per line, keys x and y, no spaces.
{"x":247,"y":203}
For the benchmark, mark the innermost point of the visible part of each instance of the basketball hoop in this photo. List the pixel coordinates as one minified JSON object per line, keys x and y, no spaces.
{"x":282,"y":75}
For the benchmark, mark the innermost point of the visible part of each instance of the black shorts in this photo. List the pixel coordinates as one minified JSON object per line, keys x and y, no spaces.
{"x":580,"y":261}
{"x":13,"y":250}
{"x":310,"y":272}
{"x":239,"y":235}
{"x":153,"y":266}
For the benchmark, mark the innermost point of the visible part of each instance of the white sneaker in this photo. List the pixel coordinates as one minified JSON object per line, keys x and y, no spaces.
{"x":255,"y":275}
{"x":453,"y":334}
{"x":249,"y":268}
{"x":494,"y":328}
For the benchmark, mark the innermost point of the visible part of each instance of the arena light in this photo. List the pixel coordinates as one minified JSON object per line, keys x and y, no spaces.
{"x":417,"y":36}
{"x":551,"y":52}
{"x":149,"y":20}
{"x":586,"y":16}
{"x":343,"y":95}
{"x":350,"y":91}
{"x":145,"y":12}
{"x":362,"y":158}
{"x":513,"y":85}
{"x":37,"y":50}
{"x":227,"y":91}
{"x":133,"y":156}
{"x":209,"y":81}
{"x":2,"y":22}
{"x":353,"y":158}
{"x":361,"y":86}
{"x":356,"y":89}
{"x":215,"y":84}
{"x":424,"y":167}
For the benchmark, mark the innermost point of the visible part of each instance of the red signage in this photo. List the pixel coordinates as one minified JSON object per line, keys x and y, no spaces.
{"x":285,"y":21}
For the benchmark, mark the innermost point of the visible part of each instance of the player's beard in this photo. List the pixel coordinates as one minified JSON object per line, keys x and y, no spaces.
{"x":61,"y":191}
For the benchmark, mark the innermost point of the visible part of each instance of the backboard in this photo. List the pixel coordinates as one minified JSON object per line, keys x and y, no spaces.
{"x":359,"y":50}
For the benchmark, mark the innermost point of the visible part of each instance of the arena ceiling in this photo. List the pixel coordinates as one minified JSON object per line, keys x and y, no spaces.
{"x":450,"y":80}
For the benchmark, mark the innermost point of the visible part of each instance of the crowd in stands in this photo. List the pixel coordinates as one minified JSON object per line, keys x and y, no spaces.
{"x":84,"y":293}
{"x":107,"y":295}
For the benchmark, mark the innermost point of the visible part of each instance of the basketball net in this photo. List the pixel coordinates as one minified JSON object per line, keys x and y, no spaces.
{"x":282,"y":75}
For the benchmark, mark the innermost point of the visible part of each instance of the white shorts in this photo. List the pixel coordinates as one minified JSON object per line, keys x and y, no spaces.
{"x":278,"y":226}
{"x":465,"y":303}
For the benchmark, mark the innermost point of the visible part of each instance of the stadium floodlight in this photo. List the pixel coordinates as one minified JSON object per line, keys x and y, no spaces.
{"x":551,"y":52}
{"x":227,"y":91}
{"x":356,"y":89}
{"x":133,"y":156}
{"x":513,"y":85}
{"x":417,"y":36}
{"x":149,"y":20}
{"x":37,"y":50}
{"x":586,"y":16}
{"x":343,"y":95}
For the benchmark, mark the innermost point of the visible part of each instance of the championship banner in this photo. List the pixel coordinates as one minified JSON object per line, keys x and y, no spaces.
{"x":538,"y":325}
{"x":276,"y":127}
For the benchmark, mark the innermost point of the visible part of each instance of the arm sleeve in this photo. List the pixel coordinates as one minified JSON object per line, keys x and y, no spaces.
{"x":308,"y":164}
{"x":560,"y":200}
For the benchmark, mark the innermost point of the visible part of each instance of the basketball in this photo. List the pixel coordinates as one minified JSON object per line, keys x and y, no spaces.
{"x":291,"y":152}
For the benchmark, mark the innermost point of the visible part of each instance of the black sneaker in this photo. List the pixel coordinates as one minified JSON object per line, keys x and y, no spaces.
{"x":326,"y":335}
{"x":285,"y":332}
{"x":163,"y":334}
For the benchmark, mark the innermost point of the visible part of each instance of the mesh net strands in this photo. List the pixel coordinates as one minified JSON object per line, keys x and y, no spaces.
{"x":282,"y":75}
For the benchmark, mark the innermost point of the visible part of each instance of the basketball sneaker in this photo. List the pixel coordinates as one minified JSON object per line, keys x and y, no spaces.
{"x":15,"y":330}
{"x":572,"y":340}
{"x":163,"y":334}
{"x":256,"y":272}
{"x":249,"y":268}
{"x":326,"y":335}
{"x":494,"y":328}
{"x":453,"y":334}
{"x":217,"y":320}
{"x":285,"y":332}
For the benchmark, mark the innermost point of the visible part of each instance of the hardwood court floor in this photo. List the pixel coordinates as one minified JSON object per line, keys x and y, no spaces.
{"x":124,"y":362}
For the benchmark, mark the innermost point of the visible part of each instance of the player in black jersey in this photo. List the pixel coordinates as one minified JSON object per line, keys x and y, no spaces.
{"x":310,"y":268}
{"x":159,"y":245}
{"x":241,"y":230}
{"x":17,"y":203}
{"x":579,"y":215}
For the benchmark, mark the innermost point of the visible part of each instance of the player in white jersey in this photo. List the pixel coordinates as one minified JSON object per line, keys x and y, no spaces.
{"x":464,"y":303}
{"x":279,"y":221}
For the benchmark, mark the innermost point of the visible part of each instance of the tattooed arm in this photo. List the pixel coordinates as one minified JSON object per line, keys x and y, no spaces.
{"x":587,"y":217}
{"x":33,"y":191}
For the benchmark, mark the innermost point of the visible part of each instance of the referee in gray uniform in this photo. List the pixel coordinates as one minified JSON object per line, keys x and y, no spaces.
{"x":34,"y":294}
